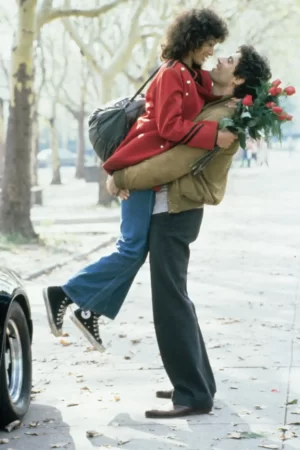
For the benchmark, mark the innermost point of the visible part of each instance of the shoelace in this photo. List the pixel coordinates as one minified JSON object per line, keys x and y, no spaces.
{"x":96,"y":328}
{"x":62,"y":311}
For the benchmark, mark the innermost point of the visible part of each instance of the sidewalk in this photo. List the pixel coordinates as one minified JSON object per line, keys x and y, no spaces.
{"x":244,"y":280}
{"x":73,"y":202}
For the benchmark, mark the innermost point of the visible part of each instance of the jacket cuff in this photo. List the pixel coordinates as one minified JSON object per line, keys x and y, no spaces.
{"x":119,"y":179}
{"x":211,"y":135}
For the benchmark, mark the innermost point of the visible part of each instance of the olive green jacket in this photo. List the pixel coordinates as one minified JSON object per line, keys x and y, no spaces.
{"x":185,"y":191}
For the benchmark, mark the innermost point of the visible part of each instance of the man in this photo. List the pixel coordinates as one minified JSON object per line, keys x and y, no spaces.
{"x":175,"y":225}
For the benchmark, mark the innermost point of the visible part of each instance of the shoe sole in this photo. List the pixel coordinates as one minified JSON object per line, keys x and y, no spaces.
{"x":160,"y":415}
{"x":90,"y":338}
{"x":54,"y":330}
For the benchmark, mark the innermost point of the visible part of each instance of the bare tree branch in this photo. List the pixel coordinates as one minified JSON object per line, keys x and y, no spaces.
{"x":121,"y":56}
{"x":5,"y":71}
{"x":47,"y":14}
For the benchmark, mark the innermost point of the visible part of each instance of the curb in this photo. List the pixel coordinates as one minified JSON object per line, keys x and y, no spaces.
{"x":77,"y":256}
{"x":75,"y":221}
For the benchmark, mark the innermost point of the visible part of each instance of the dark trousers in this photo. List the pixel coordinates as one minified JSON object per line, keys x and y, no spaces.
{"x":178,"y":334}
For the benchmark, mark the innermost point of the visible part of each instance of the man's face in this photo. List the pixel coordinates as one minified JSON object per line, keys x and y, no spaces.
{"x":222,"y":74}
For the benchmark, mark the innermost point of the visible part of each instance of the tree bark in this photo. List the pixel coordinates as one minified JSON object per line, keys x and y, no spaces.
{"x":16,"y":197}
{"x":2,"y":138}
{"x":80,"y":145}
{"x":56,"y":178}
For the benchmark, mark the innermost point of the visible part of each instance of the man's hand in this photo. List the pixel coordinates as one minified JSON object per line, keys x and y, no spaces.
{"x":225,"y":139}
{"x":113,"y":190}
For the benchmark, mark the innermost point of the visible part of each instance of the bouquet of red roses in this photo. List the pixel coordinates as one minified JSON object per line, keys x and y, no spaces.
{"x":257,"y":118}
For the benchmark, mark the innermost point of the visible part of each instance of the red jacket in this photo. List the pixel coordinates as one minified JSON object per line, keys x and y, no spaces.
{"x":173,"y":100}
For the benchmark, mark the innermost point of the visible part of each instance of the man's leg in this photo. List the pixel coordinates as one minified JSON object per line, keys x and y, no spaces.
{"x":179,"y":337}
{"x":102,"y":286}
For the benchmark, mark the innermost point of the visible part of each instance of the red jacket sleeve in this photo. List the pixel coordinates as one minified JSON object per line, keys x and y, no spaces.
{"x":168,"y":114}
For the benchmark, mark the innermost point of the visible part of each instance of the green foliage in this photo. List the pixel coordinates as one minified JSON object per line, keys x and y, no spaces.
{"x":258,"y":120}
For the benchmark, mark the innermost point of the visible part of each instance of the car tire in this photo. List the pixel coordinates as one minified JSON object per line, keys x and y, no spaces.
{"x":16,"y":367}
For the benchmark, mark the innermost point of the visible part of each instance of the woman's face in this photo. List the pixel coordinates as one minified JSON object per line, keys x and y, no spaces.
{"x":200,"y":55}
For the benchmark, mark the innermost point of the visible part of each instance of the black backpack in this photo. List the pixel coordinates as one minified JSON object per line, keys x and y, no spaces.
{"x":109,"y":125}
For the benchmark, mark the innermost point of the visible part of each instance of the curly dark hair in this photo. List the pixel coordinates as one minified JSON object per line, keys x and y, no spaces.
{"x":190,"y":30}
{"x":254,"y":68}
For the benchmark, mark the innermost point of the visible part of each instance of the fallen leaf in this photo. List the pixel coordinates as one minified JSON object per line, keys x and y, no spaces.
{"x":250,"y":435}
{"x":127,"y":357}
{"x":90,"y":349}
{"x":60,"y":445}
{"x":135,"y":341}
{"x":64,"y":343}
{"x":243,"y":435}
{"x":85,"y":389}
{"x":65,"y":334}
{"x":72,"y":404}
{"x":13,"y":426}
{"x":4,"y":441}
{"x":295,"y":423}
{"x":293,"y":402}
{"x":270,"y":446}
{"x":234,"y":435}
{"x":117,"y":398}
{"x":296,"y":412}
{"x":230,"y":321}
{"x":33,"y":425}
{"x":31,"y":433}
{"x":92,"y":434}
{"x":274,"y":390}
{"x":123,"y":442}
{"x":36,"y":391}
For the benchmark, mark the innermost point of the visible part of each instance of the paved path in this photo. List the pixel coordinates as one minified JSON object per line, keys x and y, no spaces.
{"x":244,"y":280}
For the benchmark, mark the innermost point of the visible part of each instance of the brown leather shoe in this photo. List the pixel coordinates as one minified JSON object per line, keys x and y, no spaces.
{"x":176,"y":411}
{"x":164,"y":394}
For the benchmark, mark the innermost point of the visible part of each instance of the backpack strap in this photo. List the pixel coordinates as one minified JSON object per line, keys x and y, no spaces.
{"x":143,"y":86}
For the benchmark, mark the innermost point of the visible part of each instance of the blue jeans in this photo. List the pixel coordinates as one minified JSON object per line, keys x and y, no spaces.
{"x":102,"y":286}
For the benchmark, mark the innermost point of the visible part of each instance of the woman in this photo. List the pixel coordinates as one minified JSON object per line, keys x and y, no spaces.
{"x":175,"y":97}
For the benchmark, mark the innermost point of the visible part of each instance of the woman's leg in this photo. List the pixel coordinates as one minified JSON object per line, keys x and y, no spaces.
{"x":101,"y":287}
{"x":179,"y":337}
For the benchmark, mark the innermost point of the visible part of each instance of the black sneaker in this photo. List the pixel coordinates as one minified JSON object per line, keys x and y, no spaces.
{"x":87,"y":322}
{"x":56,"y":303}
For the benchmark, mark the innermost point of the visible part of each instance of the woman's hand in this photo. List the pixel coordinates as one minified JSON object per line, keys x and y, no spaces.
{"x":113,"y":190}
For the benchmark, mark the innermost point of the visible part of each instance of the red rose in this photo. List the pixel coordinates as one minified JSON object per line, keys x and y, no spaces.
{"x":283,"y":117}
{"x":248,"y":100}
{"x":276,"y":83}
{"x":273,"y":91}
{"x":289,"y":117}
{"x":290,"y":90}
{"x":277,"y":110}
{"x":270,"y":104}
{"x":278,"y":90}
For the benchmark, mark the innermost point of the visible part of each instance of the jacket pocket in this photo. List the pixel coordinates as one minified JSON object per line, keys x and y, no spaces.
{"x":195,"y":189}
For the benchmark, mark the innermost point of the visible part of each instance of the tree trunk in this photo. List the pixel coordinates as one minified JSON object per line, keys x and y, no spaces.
{"x":2,"y":138}
{"x":16,"y":201}
{"x":56,"y":179}
{"x":80,"y":146}
{"x":35,"y":146}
